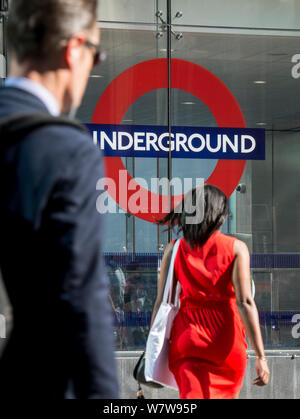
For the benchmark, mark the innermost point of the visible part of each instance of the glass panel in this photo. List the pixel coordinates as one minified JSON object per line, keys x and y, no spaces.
{"x":287,"y":315}
{"x":286,"y":191}
{"x":134,"y":11}
{"x":283,"y":14}
{"x":261,"y":70}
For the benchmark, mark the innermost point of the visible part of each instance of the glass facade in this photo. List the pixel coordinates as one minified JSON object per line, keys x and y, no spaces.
{"x":252,"y":46}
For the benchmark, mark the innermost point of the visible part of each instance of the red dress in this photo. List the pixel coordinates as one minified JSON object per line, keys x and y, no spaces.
{"x":208,"y":345}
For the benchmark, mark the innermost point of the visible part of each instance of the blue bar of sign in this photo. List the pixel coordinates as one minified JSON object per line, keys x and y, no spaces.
{"x":257,"y":260}
{"x":187,"y":142}
{"x":143,"y":318}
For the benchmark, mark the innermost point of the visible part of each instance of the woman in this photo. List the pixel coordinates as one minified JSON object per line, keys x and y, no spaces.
{"x":207,"y":346}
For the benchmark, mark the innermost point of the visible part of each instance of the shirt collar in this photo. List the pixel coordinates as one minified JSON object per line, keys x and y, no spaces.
{"x":37,"y":90}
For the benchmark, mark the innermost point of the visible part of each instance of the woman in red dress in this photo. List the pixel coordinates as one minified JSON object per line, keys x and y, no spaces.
{"x":208,"y":346}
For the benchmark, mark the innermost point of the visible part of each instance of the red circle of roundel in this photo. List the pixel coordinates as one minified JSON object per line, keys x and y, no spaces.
{"x":153,"y":74}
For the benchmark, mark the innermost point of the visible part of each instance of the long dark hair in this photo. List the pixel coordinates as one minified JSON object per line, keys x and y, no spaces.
{"x":215,"y":212}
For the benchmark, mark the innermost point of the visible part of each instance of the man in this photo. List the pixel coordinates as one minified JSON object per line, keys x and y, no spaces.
{"x":51,"y":234}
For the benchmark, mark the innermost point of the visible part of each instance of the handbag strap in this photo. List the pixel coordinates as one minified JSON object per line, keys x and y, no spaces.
{"x":177,"y":293}
{"x":169,"y":282}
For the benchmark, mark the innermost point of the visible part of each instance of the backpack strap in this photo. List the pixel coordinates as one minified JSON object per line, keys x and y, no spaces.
{"x":15,"y":128}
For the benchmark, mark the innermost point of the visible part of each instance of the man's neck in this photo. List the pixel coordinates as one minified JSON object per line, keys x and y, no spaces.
{"x":53,"y":81}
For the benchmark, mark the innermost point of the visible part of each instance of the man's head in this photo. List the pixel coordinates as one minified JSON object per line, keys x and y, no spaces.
{"x":57,"y":37}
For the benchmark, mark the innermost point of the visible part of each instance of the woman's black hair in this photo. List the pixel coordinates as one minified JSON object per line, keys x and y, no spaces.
{"x":215,"y":212}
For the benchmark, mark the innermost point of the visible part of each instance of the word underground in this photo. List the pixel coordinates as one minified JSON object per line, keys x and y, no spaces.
{"x":147,"y":141}
{"x":138,"y":201}
{"x":185,"y":142}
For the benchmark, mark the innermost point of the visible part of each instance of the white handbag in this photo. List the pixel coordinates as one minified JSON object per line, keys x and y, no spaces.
{"x":157,"y":347}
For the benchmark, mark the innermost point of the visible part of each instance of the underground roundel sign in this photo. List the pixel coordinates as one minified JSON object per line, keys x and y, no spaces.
{"x":146,"y":76}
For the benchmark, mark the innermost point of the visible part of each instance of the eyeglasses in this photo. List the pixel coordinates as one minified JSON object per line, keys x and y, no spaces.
{"x":99,"y":55}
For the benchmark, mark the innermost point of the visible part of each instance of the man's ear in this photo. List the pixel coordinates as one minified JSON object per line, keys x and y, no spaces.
{"x":72,"y":50}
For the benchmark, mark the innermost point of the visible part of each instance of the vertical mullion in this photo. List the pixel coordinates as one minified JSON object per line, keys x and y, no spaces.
{"x":169,"y":42}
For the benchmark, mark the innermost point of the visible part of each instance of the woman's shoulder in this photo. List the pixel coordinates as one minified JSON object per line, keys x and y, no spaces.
{"x":226,"y":243}
{"x":240,"y":248}
{"x":236,"y":245}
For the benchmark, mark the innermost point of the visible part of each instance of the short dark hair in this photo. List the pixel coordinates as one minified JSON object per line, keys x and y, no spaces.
{"x":36,"y":28}
{"x":215,"y":212}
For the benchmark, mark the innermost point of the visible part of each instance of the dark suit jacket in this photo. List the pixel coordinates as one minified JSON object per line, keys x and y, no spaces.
{"x":50,"y":256}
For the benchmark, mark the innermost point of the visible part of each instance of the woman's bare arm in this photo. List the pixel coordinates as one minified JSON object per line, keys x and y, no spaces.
{"x":160,"y":286}
{"x":247,"y":308}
